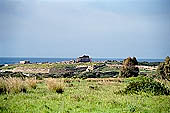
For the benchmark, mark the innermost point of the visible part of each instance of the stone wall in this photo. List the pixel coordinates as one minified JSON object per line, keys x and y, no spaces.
{"x":31,"y":70}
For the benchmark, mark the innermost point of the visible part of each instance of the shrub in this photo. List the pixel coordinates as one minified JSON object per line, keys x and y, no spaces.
{"x":55,"y":85}
{"x":147,"y":85}
{"x":164,"y":69}
{"x":128,"y":69}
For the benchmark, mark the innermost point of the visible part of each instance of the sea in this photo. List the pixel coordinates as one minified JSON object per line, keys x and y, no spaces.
{"x":15,"y":60}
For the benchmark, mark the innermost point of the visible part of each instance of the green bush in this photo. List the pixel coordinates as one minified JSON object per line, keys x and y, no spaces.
{"x":147,"y":85}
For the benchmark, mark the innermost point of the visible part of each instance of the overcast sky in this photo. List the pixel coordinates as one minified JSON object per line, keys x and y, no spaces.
{"x":99,"y":28}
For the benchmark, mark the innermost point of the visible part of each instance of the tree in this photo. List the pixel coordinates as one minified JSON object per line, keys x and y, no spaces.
{"x":135,"y":61}
{"x":163,"y":69}
{"x":129,"y":68}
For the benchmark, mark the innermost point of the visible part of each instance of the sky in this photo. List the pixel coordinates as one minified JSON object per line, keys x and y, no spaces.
{"x":71,"y":28}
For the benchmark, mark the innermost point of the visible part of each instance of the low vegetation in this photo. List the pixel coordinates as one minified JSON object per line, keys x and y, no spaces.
{"x":148,"y":63}
{"x":145,"y":84}
{"x":80,"y":96}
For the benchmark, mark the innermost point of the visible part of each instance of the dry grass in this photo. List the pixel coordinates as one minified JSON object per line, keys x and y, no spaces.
{"x":104,"y":79}
{"x":56,"y":85}
{"x":70,"y":80}
{"x":31,"y":82}
{"x":15,"y":85}
{"x":2,"y":86}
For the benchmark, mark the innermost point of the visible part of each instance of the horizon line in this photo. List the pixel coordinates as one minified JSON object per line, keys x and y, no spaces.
{"x":74,"y":57}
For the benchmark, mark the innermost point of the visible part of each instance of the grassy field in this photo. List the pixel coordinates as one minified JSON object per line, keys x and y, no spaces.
{"x":82,"y":96}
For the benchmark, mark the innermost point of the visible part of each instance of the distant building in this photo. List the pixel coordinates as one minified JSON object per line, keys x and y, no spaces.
{"x":84,"y":58}
{"x":7,"y":65}
{"x":24,"y":62}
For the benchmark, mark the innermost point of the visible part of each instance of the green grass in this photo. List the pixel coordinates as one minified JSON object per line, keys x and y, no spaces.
{"x":8,"y":67}
{"x":47,"y":66}
{"x":80,"y":98}
{"x":106,"y":68}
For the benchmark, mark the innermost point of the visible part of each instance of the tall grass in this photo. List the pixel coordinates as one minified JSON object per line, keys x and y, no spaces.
{"x":16,"y":85}
{"x":56,"y":85}
{"x":31,"y":82}
{"x":2,"y":86}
